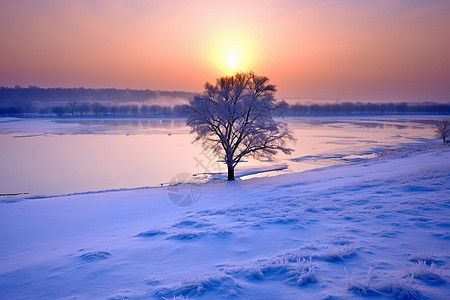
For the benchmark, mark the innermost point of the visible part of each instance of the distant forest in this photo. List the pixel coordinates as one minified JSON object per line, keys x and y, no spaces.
{"x":81,"y":102}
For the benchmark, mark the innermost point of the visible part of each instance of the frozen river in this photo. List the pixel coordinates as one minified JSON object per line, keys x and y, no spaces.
{"x":61,"y":156}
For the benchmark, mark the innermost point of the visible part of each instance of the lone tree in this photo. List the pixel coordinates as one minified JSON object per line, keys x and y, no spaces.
{"x":443,"y":130}
{"x":234,"y":119}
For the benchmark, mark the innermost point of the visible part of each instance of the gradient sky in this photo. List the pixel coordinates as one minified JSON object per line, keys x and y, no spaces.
{"x":380,"y":49}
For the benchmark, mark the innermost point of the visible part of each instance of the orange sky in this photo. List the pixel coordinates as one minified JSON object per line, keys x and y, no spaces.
{"x":379,"y":49}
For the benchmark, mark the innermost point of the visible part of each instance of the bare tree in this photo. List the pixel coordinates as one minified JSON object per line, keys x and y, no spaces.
{"x":73,"y":105}
{"x":443,"y":130}
{"x":234,"y":119}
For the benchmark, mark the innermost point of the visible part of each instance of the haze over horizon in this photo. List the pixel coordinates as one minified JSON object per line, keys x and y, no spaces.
{"x":310,"y":49}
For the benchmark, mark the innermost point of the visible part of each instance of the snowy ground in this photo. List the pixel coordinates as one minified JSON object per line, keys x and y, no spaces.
{"x":379,"y":229}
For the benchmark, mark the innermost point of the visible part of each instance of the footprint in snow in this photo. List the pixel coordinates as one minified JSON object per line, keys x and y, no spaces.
{"x":94,"y":256}
{"x":151,"y":233}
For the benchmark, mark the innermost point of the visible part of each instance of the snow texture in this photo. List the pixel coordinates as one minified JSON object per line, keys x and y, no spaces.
{"x":375,"y":229}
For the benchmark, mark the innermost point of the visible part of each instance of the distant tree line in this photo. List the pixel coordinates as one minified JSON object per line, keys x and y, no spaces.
{"x":76,"y":102}
{"x":35,"y":94}
{"x":359,"y":108}
{"x":75,"y":109}
{"x":81,"y":102}
{"x":97,"y":109}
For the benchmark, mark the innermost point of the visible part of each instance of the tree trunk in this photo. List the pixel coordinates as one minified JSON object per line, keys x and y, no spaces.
{"x":230,"y":173}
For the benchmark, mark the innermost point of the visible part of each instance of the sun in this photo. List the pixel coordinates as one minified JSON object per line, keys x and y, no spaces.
{"x":233,"y":60}
{"x":232,"y":53}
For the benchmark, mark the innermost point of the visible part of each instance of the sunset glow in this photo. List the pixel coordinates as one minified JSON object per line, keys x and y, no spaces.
{"x":233,"y":52}
{"x":349,"y":49}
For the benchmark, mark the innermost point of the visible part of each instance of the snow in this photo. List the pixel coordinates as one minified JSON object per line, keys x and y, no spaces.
{"x":379,"y":227}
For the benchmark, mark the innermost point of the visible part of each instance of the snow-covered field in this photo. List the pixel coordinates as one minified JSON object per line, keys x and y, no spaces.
{"x":380,"y":228}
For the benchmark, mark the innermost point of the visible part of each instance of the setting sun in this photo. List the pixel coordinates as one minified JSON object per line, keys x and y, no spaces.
{"x":233,"y":61}
{"x":233,"y":53}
